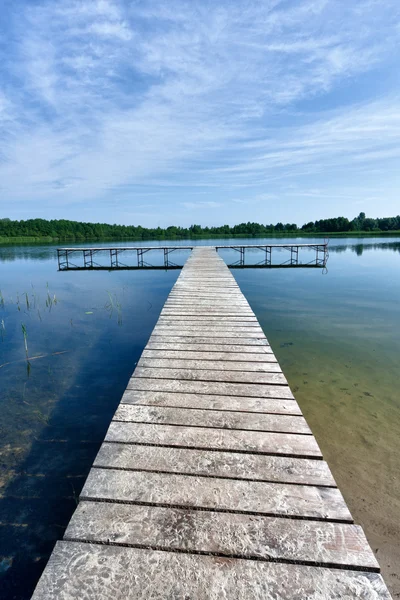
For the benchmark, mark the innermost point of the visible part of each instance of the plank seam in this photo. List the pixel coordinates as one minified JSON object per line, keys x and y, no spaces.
{"x":210,"y":380}
{"x":216,"y":510}
{"x":213,"y":427}
{"x":246,"y":412}
{"x":208,"y":476}
{"x":268,"y":558}
{"x":231,"y":450}
{"x":236,"y":395}
{"x":206,"y":368}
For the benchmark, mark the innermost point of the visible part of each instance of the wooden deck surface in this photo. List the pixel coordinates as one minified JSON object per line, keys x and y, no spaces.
{"x":209,"y":483}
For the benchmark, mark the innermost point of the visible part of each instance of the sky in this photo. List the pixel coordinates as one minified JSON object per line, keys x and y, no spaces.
{"x":166,"y":112}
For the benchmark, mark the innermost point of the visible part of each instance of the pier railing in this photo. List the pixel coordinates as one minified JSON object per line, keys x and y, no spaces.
{"x":119,"y":257}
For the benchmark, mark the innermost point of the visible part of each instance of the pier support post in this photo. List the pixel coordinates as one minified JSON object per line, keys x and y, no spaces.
{"x":88,"y":259}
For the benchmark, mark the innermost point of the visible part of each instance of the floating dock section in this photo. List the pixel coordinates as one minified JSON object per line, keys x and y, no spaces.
{"x":209,"y":483}
{"x":120,"y":257}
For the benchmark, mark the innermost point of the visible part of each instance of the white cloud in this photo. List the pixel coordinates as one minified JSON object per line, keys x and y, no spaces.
{"x":102,"y":96}
{"x":119,"y":30}
{"x":201,"y":205}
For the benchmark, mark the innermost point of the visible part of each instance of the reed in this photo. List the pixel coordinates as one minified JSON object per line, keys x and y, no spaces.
{"x":112,"y":305}
{"x":25,"y":334}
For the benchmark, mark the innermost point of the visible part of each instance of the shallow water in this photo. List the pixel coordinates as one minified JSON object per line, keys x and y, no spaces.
{"x":335,"y":333}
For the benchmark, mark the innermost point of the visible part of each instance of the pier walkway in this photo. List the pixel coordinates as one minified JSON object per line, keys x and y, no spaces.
{"x":209,"y":483}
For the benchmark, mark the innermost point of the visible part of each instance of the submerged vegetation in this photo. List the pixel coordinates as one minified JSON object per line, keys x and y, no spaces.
{"x":114,"y":305}
{"x":27,"y":303}
{"x":47,"y":231}
{"x":30,"y":304}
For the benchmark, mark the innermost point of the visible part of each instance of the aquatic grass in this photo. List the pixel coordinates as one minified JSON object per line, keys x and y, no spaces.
{"x":25,"y":334}
{"x":2,"y":329}
{"x":49,"y":299}
{"x":33,"y":295}
{"x":1,"y":300}
{"x":112,"y":305}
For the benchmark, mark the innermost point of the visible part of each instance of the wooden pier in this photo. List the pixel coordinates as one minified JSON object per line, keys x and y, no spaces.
{"x":209,"y":483}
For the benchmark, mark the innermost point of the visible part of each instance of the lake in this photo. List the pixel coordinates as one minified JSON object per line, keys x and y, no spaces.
{"x":335,"y":332}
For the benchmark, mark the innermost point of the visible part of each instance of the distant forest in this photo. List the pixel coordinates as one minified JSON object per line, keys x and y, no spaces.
{"x":41,"y":229}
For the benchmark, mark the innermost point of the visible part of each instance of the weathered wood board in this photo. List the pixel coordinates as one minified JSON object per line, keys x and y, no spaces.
{"x":215,"y":419}
{"x":232,"y":465}
{"x":262,"y":442}
{"x":216,"y":358}
{"x":210,"y":375}
{"x":213,"y":402}
{"x":270,"y":366}
{"x":256,"y":497}
{"x":82,"y":571}
{"x":229,"y":534}
{"x":208,"y":387}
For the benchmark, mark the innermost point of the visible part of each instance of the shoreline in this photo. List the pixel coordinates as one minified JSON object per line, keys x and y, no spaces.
{"x":17,"y":241}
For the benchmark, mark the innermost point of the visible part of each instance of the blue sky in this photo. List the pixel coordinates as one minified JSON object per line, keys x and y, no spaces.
{"x":211,"y":112}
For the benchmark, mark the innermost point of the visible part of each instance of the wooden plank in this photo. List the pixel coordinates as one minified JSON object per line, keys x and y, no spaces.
{"x":207,"y":318}
{"x":235,"y":302}
{"x":257,"y":497}
{"x":207,"y":387}
{"x":214,"y":357}
{"x":228,"y":341}
{"x":194,"y":312}
{"x":208,"y":348}
{"x":219,"y":283}
{"x":224,"y":534}
{"x":218,"y":336}
{"x":220,"y":324}
{"x":206,"y":304}
{"x":206,"y":294}
{"x":259,"y":467}
{"x":222,"y":365}
{"x":79,"y":571}
{"x":212,"y":402}
{"x":197,"y":311}
{"x":215,"y":332}
{"x":203,"y":438}
{"x":224,"y":290}
{"x":178,"y":321}
{"x":223,"y":287}
{"x":211,"y":418}
{"x":207,"y":329}
{"x":210,"y":375}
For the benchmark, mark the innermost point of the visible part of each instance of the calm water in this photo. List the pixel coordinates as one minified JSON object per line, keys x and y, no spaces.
{"x":335,"y":333}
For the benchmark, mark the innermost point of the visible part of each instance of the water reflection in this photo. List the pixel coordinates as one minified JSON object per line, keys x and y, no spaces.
{"x":43,"y":252}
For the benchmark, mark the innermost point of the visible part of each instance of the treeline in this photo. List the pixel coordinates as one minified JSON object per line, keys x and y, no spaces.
{"x":63,"y":229}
